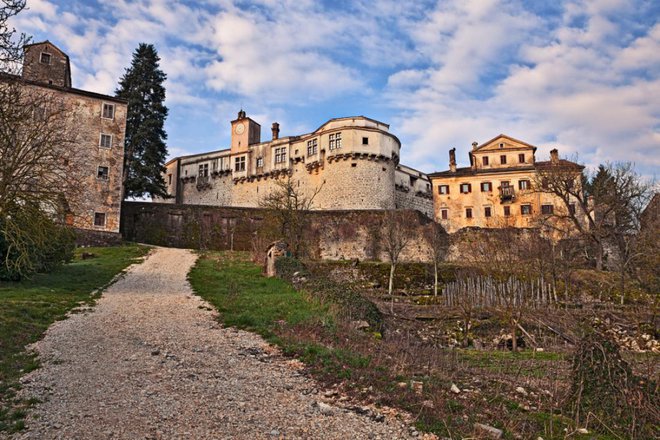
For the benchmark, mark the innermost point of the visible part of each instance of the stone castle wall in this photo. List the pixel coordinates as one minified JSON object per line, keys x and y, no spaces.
{"x":332,"y":235}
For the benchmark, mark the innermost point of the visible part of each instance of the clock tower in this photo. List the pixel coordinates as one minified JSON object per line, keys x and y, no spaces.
{"x":244,"y":132}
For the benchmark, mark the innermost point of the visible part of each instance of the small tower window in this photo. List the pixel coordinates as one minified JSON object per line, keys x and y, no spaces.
{"x":365,"y":141}
{"x":99,"y":219}
{"x":45,"y":58}
{"x":102,"y":173}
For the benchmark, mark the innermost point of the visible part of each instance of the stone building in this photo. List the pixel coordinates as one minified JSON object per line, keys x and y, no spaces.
{"x":100,"y":123}
{"x":498,"y":189}
{"x":352,"y":162}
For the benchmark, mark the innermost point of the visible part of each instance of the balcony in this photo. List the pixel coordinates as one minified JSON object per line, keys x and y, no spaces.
{"x":507,"y":193}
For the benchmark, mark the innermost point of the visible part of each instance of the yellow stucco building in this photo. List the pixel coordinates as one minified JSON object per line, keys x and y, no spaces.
{"x":498,"y":189}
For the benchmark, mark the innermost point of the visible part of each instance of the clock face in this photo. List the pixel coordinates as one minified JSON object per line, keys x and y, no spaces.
{"x":240,"y":128}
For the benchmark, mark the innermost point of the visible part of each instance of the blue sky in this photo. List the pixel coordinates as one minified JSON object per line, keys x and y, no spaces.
{"x":581,"y":76}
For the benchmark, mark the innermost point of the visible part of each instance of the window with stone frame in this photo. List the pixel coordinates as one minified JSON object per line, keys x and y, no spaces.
{"x":507,"y":211}
{"x":260,"y":162}
{"x":102,"y":173}
{"x":334,"y":141}
{"x":503,"y":159}
{"x":280,"y":155}
{"x":547,"y":209}
{"x":99,"y":219}
{"x":488,"y":211}
{"x":365,"y":141}
{"x":203,"y":170}
{"x":312,"y":147}
{"x":108,"y":111}
{"x":466,"y":188}
{"x":443,"y":189}
{"x":484,"y":160}
{"x":521,"y":158}
{"x":105,"y":141}
{"x":444,"y":214}
{"x":524,"y":185}
{"x":486,"y":187}
{"x":468,"y":212}
{"x":526,"y":209}
{"x":45,"y":58}
{"x":239,"y":164}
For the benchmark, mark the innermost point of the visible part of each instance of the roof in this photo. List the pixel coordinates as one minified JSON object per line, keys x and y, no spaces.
{"x":502,"y":135}
{"x":66,"y":57}
{"x":469,"y":171}
{"x":174,"y":159}
{"x":8,"y":77}
{"x":350,"y":117}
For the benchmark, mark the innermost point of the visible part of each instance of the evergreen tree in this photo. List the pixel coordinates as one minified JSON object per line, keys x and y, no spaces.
{"x":145,"y":149}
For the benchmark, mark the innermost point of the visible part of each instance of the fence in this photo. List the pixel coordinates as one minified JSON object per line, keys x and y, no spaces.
{"x":484,"y":291}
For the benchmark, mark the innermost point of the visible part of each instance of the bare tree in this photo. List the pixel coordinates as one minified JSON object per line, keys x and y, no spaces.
{"x":289,"y":206}
{"x":437,"y":241}
{"x":11,"y":43}
{"x":599,"y":206}
{"x":41,"y":173}
{"x":397,"y":231}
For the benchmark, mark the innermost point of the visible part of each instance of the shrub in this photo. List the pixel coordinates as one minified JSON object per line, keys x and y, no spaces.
{"x":350,"y":304}
{"x":604,"y":388}
{"x":30,"y":241}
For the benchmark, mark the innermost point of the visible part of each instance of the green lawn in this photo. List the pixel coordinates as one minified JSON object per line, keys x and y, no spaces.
{"x":247,"y":300}
{"x":28,"y":307}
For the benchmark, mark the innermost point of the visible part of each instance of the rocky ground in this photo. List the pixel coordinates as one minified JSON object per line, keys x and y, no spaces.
{"x":150,"y":361}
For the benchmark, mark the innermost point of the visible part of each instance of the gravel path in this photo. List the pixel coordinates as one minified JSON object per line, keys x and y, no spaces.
{"x":150,"y":361}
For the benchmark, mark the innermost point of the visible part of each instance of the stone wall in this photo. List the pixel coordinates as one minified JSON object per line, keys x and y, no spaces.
{"x":332,"y":235}
{"x":408,"y":199}
{"x":85,"y":237}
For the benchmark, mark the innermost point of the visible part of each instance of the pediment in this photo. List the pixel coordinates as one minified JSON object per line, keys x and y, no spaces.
{"x":503,"y":143}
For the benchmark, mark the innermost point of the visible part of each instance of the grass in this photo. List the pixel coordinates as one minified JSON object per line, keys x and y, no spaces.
{"x":28,"y":307}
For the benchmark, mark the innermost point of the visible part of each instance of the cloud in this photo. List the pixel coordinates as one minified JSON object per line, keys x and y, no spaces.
{"x":587,"y":85}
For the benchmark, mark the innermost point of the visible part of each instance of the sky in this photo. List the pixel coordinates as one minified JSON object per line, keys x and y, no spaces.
{"x":582,"y":76}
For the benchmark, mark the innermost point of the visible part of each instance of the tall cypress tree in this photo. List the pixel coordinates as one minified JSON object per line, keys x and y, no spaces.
{"x":145,"y":149}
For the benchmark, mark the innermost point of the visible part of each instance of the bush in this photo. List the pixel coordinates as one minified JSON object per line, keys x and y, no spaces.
{"x":604,"y":388}
{"x":350,"y":304}
{"x":30,"y":241}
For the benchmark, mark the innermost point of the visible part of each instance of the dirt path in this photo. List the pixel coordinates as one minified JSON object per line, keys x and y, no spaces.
{"x":151,"y":362}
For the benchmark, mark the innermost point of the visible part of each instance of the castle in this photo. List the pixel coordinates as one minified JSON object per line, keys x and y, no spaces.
{"x":100,"y":124}
{"x":349,"y":163}
{"x":500,"y":188}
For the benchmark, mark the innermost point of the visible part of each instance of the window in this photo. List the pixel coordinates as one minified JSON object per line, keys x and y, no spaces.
{"x":365,"y":141}
{"x":488,"y":211}
{"x":45,"y":58}
{"x":106,"y":141}
{"x":466,"y":188}
{"x":354,"y":165}
{"x":335,"y":141}
{"x":239,"y":164}
{"x":99,"y":219}
{"x":526,"y":209}
{"x":108,"y":111}
{"x":486,"y":187}
{"x":204,"y":170}
{"x":214,"y":165}
{"x":547,"y":209}
{"x":544,"y":183}
{"x":484,"y":160}
{"x":260,"y":162}
{"x":571,"y":208}
{"x":504,"y":183}
{"x":507,"y":211}
{"x":503,"y":159}
{"x":102,"y":173}
{"x":312,"y":147}
{"x":169,"y":179}
{"x":468,"y":212}
{"x":443,"y":189}
{"x":521,"y":158}
{"x":523,"y":184}
{"x":444,"y":214}
{"x":280,"y":155}
{"x":501,"y":145}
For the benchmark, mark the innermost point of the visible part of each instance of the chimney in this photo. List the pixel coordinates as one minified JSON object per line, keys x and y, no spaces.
{"x":474,"y":145}
{"x":554,"y":156}
{"x":452,"y":160}
{"x":241,"y":114}
{"x":276,"y":130}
